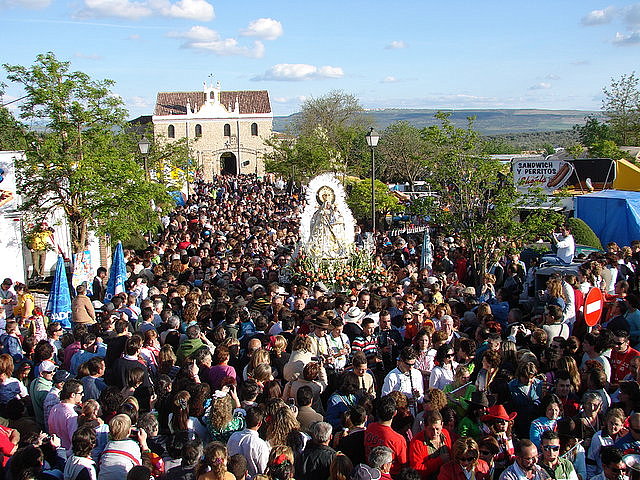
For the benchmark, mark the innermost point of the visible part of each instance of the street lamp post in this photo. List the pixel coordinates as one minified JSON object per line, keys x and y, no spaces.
{"x":372,"y":140}
{"x":143,"y":145}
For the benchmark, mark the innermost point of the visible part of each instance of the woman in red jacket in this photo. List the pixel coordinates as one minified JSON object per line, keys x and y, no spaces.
{"x":465,"y":461}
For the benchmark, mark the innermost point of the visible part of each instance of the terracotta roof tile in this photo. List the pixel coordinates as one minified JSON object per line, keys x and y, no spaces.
{"x":175,"y":103}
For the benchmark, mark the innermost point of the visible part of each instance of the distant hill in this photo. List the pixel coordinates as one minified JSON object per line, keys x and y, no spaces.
{"x":487,"y":122}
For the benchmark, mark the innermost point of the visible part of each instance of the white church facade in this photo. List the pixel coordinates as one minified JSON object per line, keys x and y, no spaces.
{"x":226,"y":130}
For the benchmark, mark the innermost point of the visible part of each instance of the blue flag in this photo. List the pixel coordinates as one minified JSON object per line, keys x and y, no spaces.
{"x":117,"y":274}
{"x":426,"y":259}
{"x":59,"y":304}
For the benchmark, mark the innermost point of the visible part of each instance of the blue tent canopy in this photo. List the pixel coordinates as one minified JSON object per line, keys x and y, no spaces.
{"x":613,"y":215}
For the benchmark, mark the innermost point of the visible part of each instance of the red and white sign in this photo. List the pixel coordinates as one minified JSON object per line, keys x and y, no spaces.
{"x":593,"y":307}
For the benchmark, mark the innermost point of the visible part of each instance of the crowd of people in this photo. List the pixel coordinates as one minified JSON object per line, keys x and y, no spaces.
{"x":214,"y":365}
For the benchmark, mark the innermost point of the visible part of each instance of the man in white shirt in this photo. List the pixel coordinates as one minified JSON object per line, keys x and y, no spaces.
{"x":248,"y":443}
{"x":566,"y":247}
{"x":406,"y":379}
{"x":526,"y":464}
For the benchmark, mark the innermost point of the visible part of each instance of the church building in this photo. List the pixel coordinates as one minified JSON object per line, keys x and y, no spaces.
{"x":226,"y":130}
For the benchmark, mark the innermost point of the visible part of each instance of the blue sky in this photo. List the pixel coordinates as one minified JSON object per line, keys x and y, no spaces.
{"x":406,"y":54}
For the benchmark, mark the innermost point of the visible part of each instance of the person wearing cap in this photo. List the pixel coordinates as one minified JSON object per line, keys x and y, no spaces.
{"x":556,"y":467}
{"x":8,"y":299}
{"x":406,"y":379}
{"x":53,"y":397}
{"x":39,"y":388}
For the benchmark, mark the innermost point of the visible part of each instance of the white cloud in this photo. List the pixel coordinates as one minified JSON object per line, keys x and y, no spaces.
{"x":85,"y":56}
{"x":265,"y":28}
{"x":625,"y":40}
{"x":631,"y":16}
{"x":138,"y":102}
{"x":395,"y":45}
{"x":208,"y":40}
{"x":133,"y":36}
{"x":30,"y":4}
{"x":540,"y":86}
{"x":581,"y":63}
{"x":599,"y":17}
{"x":552,"y":76}
{"x":290,"y":100}
{"x":200,"y":10}
{"x":389,"y":79}
{"x":115,"y":8}
{"x":294,"y":72}
{"x":197,"y":33}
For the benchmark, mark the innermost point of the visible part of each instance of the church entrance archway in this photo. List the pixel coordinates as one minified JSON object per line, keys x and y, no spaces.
{"x":228,"y":164}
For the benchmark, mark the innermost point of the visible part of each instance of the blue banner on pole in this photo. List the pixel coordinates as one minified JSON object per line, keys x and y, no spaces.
{"x":426,"y":259}
{"x":178,"y":197}
{"x":117,"y":274}
{"x":59,"y":304}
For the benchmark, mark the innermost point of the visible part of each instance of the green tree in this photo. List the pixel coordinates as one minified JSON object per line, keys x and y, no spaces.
{"x":583,"y":234}
{"x":329,"y":113}
{"x":299,"y":159}
{"x":82,"y":163}
{"x":402,"y":154}
{"x":326,"y":136}
{"x":593,"y":131}
{"x":359,"y":200}
{"x":11,"y":132}
{"x":498,"y":146}
{"x":606,"y":149}
{"x":476,"y":195}
{"x":621,"y":107}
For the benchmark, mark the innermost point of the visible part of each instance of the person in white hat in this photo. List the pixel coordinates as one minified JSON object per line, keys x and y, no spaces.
{"x":353,"y":321}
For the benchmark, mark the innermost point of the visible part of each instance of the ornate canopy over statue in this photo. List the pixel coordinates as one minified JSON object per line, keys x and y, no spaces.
{"x":326,"y":224}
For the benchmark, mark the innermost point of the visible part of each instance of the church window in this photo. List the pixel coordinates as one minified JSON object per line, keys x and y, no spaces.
{"x":254,"y":129}
{"x":171,"y":131}
{"x":198,"y":130}
{"x":227,"y":130}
